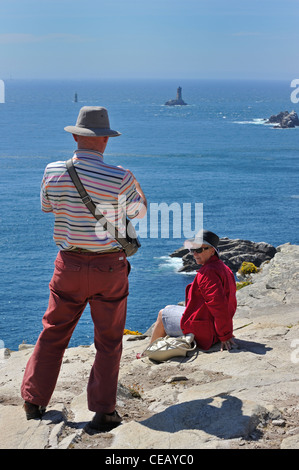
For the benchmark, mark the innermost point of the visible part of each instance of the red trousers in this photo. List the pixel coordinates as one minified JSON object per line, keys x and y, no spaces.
{"x":101,"y":280}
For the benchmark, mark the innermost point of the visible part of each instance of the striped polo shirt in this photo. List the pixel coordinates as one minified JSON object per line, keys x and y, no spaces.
{"x":111,"y":188}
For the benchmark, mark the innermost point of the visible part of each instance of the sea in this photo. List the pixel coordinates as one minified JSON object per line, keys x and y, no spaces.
{"x":217,"y":153}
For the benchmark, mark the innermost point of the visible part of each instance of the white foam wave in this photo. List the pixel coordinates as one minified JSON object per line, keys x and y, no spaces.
{"x":256,"y":122}
{"x":168,"y":263}
{"x":173,"y":264}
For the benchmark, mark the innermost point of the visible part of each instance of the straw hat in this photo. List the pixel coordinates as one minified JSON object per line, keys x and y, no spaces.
{"x":93,"y":121}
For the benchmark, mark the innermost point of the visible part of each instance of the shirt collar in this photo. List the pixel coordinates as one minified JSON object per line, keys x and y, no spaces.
{"x":82,"y":154}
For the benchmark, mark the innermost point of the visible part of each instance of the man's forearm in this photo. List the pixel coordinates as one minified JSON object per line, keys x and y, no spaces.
{"x":143,"y":211}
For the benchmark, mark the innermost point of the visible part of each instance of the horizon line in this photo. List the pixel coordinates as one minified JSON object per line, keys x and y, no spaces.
{"x":151,"y":78}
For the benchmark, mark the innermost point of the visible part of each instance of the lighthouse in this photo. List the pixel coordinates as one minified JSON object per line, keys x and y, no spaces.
{"x":178,"y":101}
{"x":179,"y":94}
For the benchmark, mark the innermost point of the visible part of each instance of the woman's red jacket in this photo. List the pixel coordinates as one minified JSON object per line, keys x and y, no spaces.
{"x":210,"y":304}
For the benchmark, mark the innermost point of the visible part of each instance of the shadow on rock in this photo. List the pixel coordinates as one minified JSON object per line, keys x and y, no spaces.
{"x":222,"y":417}
{"x":251,"y":346}
{"x":241,"y":346}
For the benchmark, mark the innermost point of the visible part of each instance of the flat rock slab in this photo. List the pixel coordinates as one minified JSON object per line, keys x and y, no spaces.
{"x":245,"y":398}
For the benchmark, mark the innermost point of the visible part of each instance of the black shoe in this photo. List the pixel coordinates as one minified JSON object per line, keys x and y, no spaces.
{"x":105,"y":421}
{"x":33,"y":411}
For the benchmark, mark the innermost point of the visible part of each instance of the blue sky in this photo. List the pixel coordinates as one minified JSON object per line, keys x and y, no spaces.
{"x":149,"y":39}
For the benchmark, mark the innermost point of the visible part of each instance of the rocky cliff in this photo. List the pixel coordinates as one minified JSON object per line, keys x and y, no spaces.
{"x":245,"y":398}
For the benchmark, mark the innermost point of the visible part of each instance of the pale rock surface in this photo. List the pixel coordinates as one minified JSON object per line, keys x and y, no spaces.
{"x":246,"y":398}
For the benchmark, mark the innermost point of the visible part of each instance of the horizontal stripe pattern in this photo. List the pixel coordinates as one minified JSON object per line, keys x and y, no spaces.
{"x":110,"y":187}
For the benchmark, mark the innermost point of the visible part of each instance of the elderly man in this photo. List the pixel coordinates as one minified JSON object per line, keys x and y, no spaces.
{"x":210,"y":301}
{"x":91,"y":267}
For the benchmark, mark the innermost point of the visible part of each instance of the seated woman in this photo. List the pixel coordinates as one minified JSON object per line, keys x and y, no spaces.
{"x":210,"y":301}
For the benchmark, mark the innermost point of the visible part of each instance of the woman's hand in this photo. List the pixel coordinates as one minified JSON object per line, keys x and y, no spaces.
{"x":228,"y":344}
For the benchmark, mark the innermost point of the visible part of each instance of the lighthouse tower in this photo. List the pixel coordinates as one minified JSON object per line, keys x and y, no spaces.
{"x":179,"y":94}
{"x":178,"y":101}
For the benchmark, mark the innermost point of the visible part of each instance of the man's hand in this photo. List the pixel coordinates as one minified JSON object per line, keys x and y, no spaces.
{"x":227,"y":344}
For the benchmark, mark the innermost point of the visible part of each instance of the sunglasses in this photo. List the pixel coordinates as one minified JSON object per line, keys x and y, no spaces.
{"x":199,"y":250}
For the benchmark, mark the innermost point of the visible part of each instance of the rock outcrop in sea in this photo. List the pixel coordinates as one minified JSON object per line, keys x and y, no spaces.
{"x":284,"y":119}
{"x":178,"y":101}
{"x":232,"y":252}
{"x":243,"y":399}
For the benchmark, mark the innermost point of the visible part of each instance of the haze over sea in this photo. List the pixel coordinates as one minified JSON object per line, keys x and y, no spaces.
{"x":217,"y":151}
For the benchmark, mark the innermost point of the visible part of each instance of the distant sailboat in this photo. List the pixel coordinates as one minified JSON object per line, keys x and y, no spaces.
{"x":76,"y":98}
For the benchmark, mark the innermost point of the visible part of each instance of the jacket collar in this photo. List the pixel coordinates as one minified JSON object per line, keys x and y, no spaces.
{"x":213,"y":259}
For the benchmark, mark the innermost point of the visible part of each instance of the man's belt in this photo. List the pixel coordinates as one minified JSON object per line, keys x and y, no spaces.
{"x":83,"y":250}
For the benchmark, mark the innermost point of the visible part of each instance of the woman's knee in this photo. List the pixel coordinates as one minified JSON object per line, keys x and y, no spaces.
{"x":159,"y":317}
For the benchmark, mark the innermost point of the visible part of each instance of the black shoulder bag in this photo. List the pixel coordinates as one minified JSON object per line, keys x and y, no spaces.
{"x":130,"y":244}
